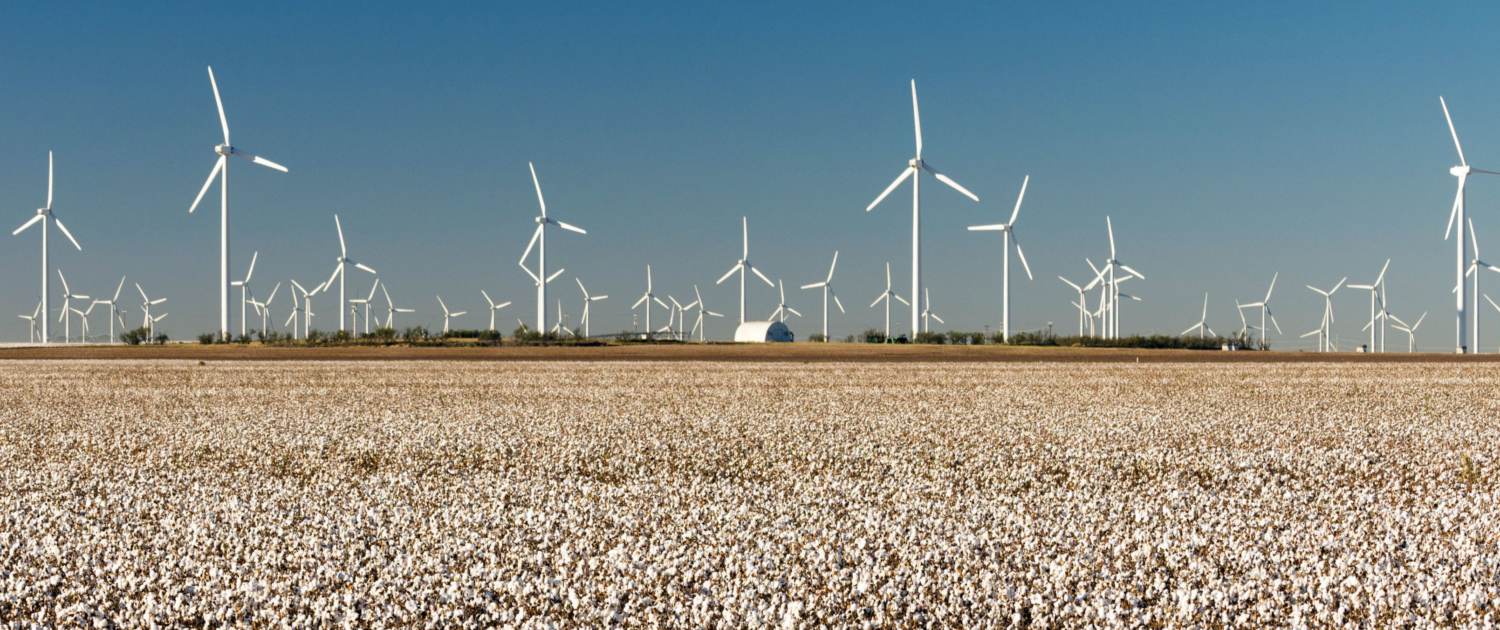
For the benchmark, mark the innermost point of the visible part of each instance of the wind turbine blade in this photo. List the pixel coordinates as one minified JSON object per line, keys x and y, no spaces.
{"x":343,"y":252}
{"x":569,"y":226}
{"x":1388,"y":264}
{"x":944,"y":178}
{"x":487,"y":298}
{"x":501,"y":305}
{"x":1336,"y":286}
{"x":289,"y":319}
{"x":940,"y":320}
{"x":1472,"y":239}
{"x":49,"y":180}
{"x":1273,"y":321}
{"x":877,"y":300}
{"x":263,"y":162}
{"x":27,"y":224}
{"x":1193,"y":328}
{"x":762,"y":276}
{"x":1070,"y":283}
{"x":658,"y":301}
{"x":1419,"y":321}
{"x":534,"y":236}
{"x":793,"y":311}
{"x":1111,"y":225}
{"x":1019,"y":197}
{"x":203,"y":191}
{"x":905,"y":173}
{"x":143,"y":292}
{"x":1023,"y":257}
{"x":814,"y":285}
{"x":987,"y":228}
{"x":388,"y":302}
{"x":1453,"y":131}
{"x":836,"y":301}
{"x":1268,"y":291}
{"x":901,"y":299}
{"x":1457,"y":198}
{"x":745,"y":234}
{"x":1132,"y":272}
{"x":832,"y":266}
{"x":278,"y":286}
{"x":638,"y":302}
{"x":294,"y":283}
{"x":361,"y":266}
{"x":730,"y":273}
{"x":64,"y":279}
{"x":442,"y":304}
{"x":554,"y":275}
{"x":538,"y":184}
{"x":122,"y":285}
{"x":1487,"y":299}
{"x":458,"y":313}
{"x":336,"y":270}
{"x":223,"y":122}
{"x":916,"y":116}
{"x":369,"y":297}
{"x":253,"y":257}
{"x":65,"y":232}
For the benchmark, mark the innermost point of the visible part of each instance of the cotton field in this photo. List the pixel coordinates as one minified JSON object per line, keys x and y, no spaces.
{"x":559,"y":495}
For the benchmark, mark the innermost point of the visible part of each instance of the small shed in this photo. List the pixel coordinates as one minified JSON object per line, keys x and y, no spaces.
{"x":761,"y":332}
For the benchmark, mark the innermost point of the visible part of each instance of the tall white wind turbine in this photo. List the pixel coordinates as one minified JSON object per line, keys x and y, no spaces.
{"x":1009,"y":230}
{"x":221,"y":170}
{"x":1082,"y":303}
{"x":1201,"y":326}
{"x":446,"y":314}
{"x":1265,"y":311}
{"x":68,"y":296}
{"x":886,"y":297}
{"x":927,"y":310}
{"x":781,"y":308}
{"x":1374,"y":289}
{"x":742,"y":266}
{"x":698,"y":326}
{"x":587,"y":299}
{"x":539,"y":238}
{"x":1411,"y":331}
{"x":1457,"y":216}
{"x":43,"y":214}
{"x":146,"y":304}
{"x":647,"y":299}
{"x":493,"y":306}
{"x":114,"y":311}
{"x":1324,"y":331}
{"x":1113,"y":322}
{"x":827,"y":286}
{"x":264,"y":309}
{"x":354,"y":304}
{"x":391,"y":309}
{"x":338,"y":270}
{"x":244,"y":286}
{"x":912,"y":170}
{"x":1475,"y":264}
{"x":31,"y":319}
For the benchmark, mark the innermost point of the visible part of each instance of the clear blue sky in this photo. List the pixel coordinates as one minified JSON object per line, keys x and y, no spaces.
{"x":1228,"y":143}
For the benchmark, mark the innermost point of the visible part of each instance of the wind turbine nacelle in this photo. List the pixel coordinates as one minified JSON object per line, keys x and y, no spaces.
{"x":1459,"y":171}
{"x":224,"y":150}
{"x":914,"y":163}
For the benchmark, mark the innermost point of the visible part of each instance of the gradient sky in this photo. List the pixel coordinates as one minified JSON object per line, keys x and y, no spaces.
{"x":1227,"y":143}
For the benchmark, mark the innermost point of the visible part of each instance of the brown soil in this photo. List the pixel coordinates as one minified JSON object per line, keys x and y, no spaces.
{"x":800,"y":352}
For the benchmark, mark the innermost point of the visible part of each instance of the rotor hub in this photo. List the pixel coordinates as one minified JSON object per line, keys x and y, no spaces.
{"x":44,"y":211}
{"x":223,"y":149}
{"x":915,"y":163}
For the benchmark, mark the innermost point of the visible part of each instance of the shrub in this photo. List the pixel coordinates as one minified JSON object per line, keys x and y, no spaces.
{"x":490,"y":336}
{"x":817,"y":338}
{"x":384,"y":334}
{"x":931,"y":337}
{"x":205,"y":338}
{"x":414,"y":333}
{"x":315,"y":336}
{"x":874,"y":335}
{"x":136,"y":337}
{"x":340,"y":336}
{"x":160,"y":339}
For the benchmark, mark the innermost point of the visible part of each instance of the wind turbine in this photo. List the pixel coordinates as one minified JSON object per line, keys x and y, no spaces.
{"x":1082,"y":303}
{"x":827,"y":286}
{"x":927,"y":310}
{"x":1462,"y":172}
{"x":1265,"y":311}
{"x":338,"y":270}
{"x":540,"y":237}
{"x":698,"y":326}
{"x":1202,"y":324}
{"x":264,"y":308}
{"x":781,"y":308}
{"x":354,"y":306}
{"x":1009,"y":230}
{"x":42,"y":214}
{"x":391,"y":310}
{"x":914,"y":168}
{"x":68,"y":296}
{"x":681,"y":312}
{"x":151,"y":321}
{"x":83,"y":316}
{"x":114,"y":310}
{"x":741,"y":266}
{"x":647,"y":299}
{"x":493,"y":307}
{"x":306,"y":307}
{"x":244,"y":286}
{"x":886,"y":297}
{"x":587,"y":299}
{"x":146,"y":304}
{"x":1411,"y":331}
{"x":1374,"y":289}
{"x":1113,"y":323}
{"x":447,"y":315}
{"x":1323,"y":330}
{"x":221,"y":170}
{"x":31,"y":319}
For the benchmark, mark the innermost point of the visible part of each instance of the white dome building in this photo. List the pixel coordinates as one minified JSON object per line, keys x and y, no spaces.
{"x":761,"y":332}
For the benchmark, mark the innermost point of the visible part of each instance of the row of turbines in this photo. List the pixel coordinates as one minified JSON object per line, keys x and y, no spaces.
{"x":1103,"y":321}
